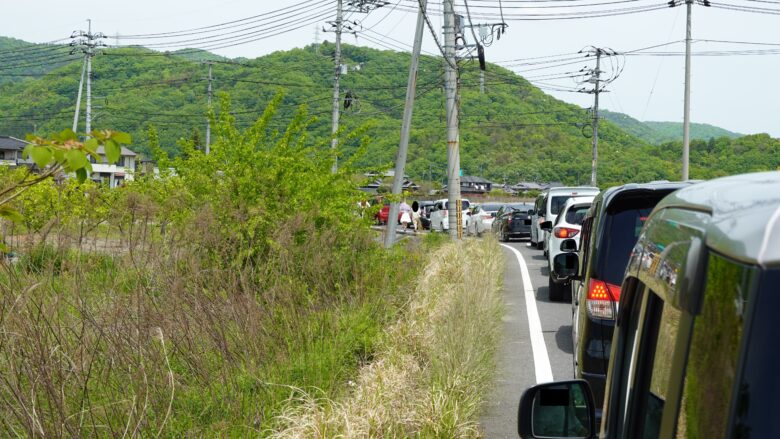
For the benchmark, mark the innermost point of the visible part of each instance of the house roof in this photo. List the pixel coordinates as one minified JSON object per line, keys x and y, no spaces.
{"x":125,"y":152}
{"x":474,"y":179}
{"x":528,"y":185}
{"x":9,"y":143}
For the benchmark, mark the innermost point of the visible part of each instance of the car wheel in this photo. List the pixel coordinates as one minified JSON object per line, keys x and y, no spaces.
{"x":556,"y":290}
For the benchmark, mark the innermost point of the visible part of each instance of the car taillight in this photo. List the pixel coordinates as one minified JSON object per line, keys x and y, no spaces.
{"x":486,"y":217}
{"x":602,"y":299}
{"x":565,"y":232}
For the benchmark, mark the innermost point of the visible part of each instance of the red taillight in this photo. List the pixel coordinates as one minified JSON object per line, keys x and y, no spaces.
{"x":565,"y":232}
{"x":602,"y":299}
{"x":486,"y":217}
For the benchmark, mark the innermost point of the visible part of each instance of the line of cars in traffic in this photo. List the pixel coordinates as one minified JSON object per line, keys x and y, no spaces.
{"x":673,"y":288}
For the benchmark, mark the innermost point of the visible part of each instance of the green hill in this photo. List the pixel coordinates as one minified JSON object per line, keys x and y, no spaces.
{"x":660,"y":132}
{"x":513,"y":132}
{"x":21,"y":60}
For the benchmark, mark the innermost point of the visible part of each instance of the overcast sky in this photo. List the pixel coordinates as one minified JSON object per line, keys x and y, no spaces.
{"x":738,"y":93}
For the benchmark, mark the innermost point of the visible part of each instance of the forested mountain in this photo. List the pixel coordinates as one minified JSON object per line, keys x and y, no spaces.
{"x":22,"y":60}
{"x":512,"y":132}
{"x":660,"y":132}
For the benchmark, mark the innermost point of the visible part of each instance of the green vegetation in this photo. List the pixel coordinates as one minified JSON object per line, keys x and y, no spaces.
{"x":194,"y":304}
{"x":431,"y":371}
{"x":662,"y":132}
{"x":513,"y":132}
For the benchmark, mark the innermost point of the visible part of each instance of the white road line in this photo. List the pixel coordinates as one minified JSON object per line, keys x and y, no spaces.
{"x":539,"y":349}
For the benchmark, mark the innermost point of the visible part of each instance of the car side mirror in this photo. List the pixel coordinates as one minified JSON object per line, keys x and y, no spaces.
{"x":567,"y":265}
{"x":563,"y":409}
{"x":569,"y":245}
{"x":546,"y":226}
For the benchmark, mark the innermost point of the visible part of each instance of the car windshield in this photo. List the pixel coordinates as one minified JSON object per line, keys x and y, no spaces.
{"x":557,"y":203}
{"x":620,"y":235}
{"x":576,"y":214}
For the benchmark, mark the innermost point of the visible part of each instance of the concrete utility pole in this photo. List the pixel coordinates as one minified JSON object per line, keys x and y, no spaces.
{"x":453,"y":149}
{"x":687,"y":104}
{"x":596,"y":91}
{"x":403,"y":145}
{"x":337,"y":76}
{"x":208,"y":119}
{"x":90,"y":54}
{"x":78,"y":96}
{"x":87,"y":43}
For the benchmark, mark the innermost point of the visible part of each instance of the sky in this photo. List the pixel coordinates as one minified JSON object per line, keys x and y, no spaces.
{"x":735,"y":92}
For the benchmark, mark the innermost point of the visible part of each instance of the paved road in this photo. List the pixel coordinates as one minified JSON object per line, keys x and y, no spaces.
{"x":536,"y":344}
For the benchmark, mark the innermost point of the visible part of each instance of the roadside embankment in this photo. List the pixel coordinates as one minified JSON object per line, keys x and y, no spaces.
{"x":431,"y":368}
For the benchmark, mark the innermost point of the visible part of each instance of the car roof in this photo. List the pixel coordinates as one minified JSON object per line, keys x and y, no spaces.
{"x":556,"y":190}
{"x":743,"y":215}
{"x":609,"y":195}
{"x":578,"y":200}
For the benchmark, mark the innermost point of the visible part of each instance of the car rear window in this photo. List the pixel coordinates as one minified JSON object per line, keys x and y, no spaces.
{"x":576,"y":214}
{"x":557,"y":203}
{"x":491,"y":207}
{"x":621,"y":231}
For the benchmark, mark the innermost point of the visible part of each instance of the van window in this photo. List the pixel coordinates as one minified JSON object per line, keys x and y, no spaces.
{"x":714,"y":352}
{"x":662,"y":352}
{"x":557,"y":203}
{"x":758,"y":404}
{"x":576,"y":214}
{"x":621,"y":231}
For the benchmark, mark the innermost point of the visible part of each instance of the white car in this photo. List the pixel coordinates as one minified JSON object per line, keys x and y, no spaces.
{"x":479,"y":219}
{"x":554,"y":201}
{"x":439,"y":215}
{"x":564,"y":237}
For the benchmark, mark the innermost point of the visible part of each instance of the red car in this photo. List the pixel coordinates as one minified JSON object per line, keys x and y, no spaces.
{"x":384,"y":212}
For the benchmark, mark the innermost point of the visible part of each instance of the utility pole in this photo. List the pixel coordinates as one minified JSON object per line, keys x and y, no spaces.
{"x":88,"y":43}
{"x":355,"y":6}
{"x":594,"y":77}
{"x":403,"y":145}
{"x":208,"y":118}
{"x":78,"y":96}
{"x":481,"y":82}
{"x":596,"y":91}
{"x":453,"y":149}
{"x":336,"y":77}
{"x":687,"y":104}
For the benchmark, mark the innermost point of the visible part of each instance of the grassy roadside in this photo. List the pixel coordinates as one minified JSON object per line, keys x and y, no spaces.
{"x":430,"y":370}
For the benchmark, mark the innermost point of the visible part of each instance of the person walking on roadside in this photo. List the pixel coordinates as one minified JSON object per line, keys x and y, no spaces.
{"x":416,"y":215}
{"x":406,"y":215}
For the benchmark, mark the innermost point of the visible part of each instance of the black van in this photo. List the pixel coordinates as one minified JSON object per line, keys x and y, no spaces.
{"x":609,"y":231}
{"x":694,"y":353}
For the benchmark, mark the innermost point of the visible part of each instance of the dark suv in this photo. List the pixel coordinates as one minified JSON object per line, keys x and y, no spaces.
{"x":694,"y":352}
{"x":513,"y":221}
{"x":609,"y":231}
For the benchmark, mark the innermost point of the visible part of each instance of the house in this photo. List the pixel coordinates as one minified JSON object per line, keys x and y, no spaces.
{"x":386,"y":179}
{"x":116,"y":174}
{"x":11,"y":152}
{"x":525,"y":186}
{"x":470,"y":184}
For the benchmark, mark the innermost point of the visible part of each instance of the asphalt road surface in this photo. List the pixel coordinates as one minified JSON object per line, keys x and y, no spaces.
{"x":536,"y":345}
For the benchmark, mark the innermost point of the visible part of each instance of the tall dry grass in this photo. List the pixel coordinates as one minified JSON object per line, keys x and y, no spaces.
{"x":428,"y":374}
